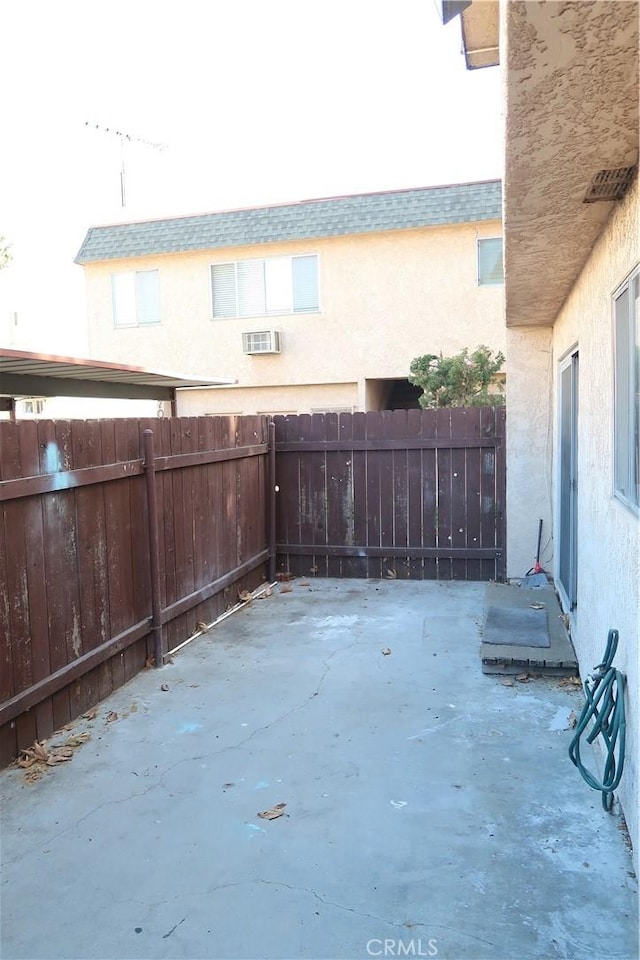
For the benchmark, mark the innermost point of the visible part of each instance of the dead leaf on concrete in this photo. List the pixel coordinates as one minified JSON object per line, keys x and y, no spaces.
{"x":570,"y":682}
{"x":304,"y":583}
{"x":285,"y":588}
{"x":266,"y":593}
{"x":164,"y":687}
{"x":202,"y":626}
{"x":537,"y":606}
{"x":60,"y":756}
{"x":507,"y":682}
{"x":386,"y":652}
{"x":244,"y":596}
{"x":76,"y":739}
{"x":523,"y":678}
{"x":38,"y":753}
{"x":572,"y":720}
{"x":111,"y":716}
{"x":391,"y":574}
{"x":283,"y":576}
{"x":150,"y":662}
{"x":273,"y":813}
{"x":91,"y":714}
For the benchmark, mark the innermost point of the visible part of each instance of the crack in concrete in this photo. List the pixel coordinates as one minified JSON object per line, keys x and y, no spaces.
{"x":406,"y":925}
{"x":266,"y":726}
{"x":85,"y":816}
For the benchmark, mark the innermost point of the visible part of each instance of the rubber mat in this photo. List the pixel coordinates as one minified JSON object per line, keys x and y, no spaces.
{"x":518,"y":628}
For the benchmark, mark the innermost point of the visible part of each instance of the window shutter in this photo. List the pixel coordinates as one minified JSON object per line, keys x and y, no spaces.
{"x":123,"y":290}
{"x":223,"y":285}
{"x":305,"y":283}
{"x":251,"y":295}
{"x":490,"y":267}
{"x":148,"y":296}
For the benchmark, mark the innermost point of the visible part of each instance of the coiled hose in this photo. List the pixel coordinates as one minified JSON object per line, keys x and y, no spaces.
{"x":604,"y":690}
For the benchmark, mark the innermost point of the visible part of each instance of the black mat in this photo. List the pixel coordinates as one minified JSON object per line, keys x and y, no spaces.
{"x":519,"y":628}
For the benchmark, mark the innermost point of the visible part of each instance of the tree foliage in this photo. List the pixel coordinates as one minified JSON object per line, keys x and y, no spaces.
{"x":463,"y":380}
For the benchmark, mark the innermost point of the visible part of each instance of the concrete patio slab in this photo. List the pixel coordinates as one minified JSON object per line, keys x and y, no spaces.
{"x":432,"y":810}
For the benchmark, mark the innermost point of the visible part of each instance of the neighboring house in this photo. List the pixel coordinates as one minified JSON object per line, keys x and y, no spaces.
{"x":572,"y":268}
{"x":313,"y":306}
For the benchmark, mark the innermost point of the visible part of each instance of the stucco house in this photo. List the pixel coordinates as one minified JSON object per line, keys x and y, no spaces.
{"x":572,"y":299}
{"x":314,"y":306}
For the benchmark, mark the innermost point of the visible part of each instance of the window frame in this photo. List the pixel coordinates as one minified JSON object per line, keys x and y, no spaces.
{"x":136,"y":292}
{"x":292,"y":312}
{"x":488,"y":283}
{"x":632,"y":377}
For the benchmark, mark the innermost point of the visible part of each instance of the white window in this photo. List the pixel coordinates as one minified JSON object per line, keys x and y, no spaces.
{"x":136,"y":297}
{"x":490,"y":267}
{"x":626,"y":318}
{"x":33,"y":407}
{"x":260,"y":288}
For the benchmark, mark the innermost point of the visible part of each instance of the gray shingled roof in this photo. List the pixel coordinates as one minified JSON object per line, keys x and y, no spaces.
{"x":308,"y":219}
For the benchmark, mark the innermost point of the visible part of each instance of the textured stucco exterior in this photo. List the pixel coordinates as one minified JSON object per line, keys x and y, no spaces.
{"x":608,"y":531}
{"x":384,"y":299}
{"x":571,"y":77}
{"x":529,"y":447}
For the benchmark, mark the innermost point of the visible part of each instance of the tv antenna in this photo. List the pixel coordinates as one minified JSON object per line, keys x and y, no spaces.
{"x":125,"y":138}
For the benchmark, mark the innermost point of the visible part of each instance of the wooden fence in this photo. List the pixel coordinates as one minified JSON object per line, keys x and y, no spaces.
{"x":110,"y":554}
{"x":414,"y":494}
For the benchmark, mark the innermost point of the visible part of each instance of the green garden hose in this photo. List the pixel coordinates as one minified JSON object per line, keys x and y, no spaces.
{"x":604,"y":690}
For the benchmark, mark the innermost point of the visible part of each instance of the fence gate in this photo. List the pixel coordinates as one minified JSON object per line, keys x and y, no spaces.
{"x":416,"y":494}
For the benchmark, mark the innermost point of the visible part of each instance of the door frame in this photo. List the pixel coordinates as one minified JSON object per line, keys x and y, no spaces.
{"x":568,"y":591}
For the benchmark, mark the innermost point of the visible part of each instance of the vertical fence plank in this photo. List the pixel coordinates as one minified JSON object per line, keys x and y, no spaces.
{"x":459,"y":416}
{"x":8,"y":739}
{"x":414,"y":494}
{"x":17,"y":584}
{"x":429,"y":495}
{"x":472,"y":470}
{"x":400,"y":493}
{"x":335,"y":488}
{"x":36,"y":577}
{"x":374,"y":432}
{"x":501,"y":493}
{"x":488,"y":489}
{"x":359,"y":566}
{"x":320,"y":505}
{"x":443,"y":460}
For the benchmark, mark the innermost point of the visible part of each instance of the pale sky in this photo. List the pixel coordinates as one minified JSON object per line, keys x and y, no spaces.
{"x":257,"y":102}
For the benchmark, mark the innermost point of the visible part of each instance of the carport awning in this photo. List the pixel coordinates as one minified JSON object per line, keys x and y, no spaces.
{"x":25,"y":374}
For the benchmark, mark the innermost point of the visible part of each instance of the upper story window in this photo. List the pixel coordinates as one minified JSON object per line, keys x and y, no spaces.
{"x":136,"y":297}
{"x":490,"y":267}
{"x":259,"y":288}
{"x":626,"y":318}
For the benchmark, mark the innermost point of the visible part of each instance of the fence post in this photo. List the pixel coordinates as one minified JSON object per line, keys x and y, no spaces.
{"x":154,"y":558}
{"x":272,"y":501}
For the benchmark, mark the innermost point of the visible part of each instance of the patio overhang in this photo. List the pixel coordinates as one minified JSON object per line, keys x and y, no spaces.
{"x":25,"y":374}
{"x":571,"y":90}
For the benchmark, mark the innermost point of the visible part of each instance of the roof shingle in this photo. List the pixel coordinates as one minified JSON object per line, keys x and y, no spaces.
{"x":307,"y":219}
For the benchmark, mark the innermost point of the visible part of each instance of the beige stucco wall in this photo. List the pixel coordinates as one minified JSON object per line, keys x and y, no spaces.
{"x":319,"y":398}
{"x":608,"y":531}
{"x":384,"y":299}
{"x":529,"y":447}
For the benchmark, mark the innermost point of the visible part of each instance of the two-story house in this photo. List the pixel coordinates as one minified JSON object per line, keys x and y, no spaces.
{"x":313,"y":306}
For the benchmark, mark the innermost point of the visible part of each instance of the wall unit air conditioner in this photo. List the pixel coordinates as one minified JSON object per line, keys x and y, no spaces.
{"x":261,"y":341}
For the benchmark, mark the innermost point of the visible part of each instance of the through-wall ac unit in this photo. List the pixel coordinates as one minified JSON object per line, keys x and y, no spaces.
{"x":261,"y":341}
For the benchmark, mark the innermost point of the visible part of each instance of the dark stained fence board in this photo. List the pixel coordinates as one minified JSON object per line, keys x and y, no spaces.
{"x":405,"y":494}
